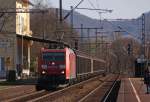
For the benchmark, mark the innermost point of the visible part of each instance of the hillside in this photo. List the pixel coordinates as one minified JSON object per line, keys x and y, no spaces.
{"x":132,"y":26}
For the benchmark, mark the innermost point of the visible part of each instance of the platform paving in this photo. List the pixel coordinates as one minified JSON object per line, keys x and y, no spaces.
{"x":133,"y":90}
{"x":1,"y":80}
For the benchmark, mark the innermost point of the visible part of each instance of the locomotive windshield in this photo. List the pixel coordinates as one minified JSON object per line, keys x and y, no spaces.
{"x":53,"y":56}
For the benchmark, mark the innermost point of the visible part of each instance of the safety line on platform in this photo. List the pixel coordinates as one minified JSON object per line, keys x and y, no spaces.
{"x":135,"y":92}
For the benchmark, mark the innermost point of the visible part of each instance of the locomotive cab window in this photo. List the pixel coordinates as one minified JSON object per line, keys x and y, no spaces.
{"x":53,"y":56}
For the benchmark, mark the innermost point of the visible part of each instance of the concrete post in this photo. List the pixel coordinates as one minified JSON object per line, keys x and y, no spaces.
{"x":29,"y":55}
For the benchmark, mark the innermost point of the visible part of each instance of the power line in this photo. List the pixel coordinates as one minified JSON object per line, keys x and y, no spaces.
{"x":91,"y":4}
{"x":73,"y":9}
{"x":120,"y":28}
{"x":98,"y":6}
{"x":95,"y":9}
{"x":100,"y":12}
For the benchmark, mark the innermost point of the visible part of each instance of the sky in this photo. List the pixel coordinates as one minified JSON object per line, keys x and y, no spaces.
{"x":122,"y":9}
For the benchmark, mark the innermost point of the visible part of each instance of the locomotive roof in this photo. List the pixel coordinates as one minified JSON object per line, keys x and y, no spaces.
{"x":46,"y":49}
{"x":53,"y":50}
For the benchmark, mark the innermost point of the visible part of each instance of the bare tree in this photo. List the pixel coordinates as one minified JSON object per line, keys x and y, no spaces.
{"x":125,"y":60}
{"x":45,"y":25}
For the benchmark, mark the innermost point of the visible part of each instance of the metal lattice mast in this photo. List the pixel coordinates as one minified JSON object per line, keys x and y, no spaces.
{"x":143,"y":35}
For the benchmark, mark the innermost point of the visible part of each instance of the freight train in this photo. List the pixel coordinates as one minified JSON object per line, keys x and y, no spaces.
{"x":63,"y":66}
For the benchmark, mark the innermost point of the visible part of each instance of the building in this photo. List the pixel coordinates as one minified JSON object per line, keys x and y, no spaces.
{"x":14,"y":20}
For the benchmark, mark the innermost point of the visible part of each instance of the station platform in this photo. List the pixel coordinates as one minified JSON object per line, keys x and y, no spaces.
{"x":2,"y":80}
{"x":133,"y":90}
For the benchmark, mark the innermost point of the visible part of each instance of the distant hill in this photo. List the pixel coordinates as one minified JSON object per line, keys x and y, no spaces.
{"x":132,"y":26}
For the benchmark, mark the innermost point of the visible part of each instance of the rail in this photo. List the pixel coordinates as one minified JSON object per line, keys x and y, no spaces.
{"x":111,"y":95}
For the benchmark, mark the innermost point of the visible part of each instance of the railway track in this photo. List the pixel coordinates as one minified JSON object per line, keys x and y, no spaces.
{"x":27,"y":97}
{"x":102,"y":92}
{"x":90,"y":90}
{"x":15,"y":91}
{"x":69,"y":94}
{"x":112,"y":93}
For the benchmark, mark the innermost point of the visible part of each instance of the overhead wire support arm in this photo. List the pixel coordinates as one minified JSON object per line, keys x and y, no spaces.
{"x":69,"y":13}
{"x":121,"y":29}
{"x":96,"y":9}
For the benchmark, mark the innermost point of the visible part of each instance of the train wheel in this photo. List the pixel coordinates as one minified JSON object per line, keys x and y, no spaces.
{"x":71,"y":82}
{"x":38,"y":88}
{"x":51,"y":87}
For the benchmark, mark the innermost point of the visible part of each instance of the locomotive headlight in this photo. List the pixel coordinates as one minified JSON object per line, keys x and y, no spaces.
{"x":62,"y":66}
{"x":44,"y":66}
{"x":53,"y":63}
{"x":62,"y":72}
{"x":43,"y":72}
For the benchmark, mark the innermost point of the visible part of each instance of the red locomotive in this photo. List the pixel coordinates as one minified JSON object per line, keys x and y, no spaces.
{"x":56,"y":66}
{"x":63,"y":66}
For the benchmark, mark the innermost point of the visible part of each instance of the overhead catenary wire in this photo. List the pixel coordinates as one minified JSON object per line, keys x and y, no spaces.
{"x":120,"y":28}
{"x":94,"y":9}
{"x":98,"y":5}
{"x":99,"y":12}
{"x":73,"y":9}
{"x":91,"y":4}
